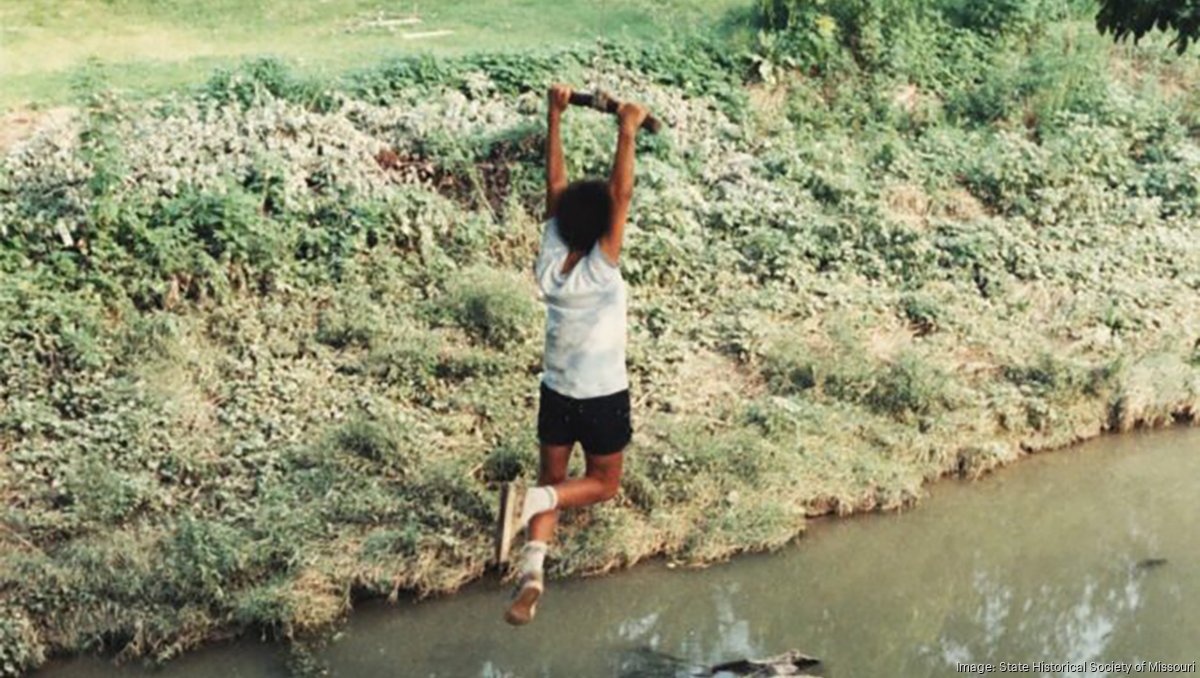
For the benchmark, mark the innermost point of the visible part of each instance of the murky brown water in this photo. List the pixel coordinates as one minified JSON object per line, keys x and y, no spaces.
{"x":1039,"y":562}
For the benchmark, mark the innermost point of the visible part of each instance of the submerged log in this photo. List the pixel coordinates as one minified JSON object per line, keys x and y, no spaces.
{"x":790,"y":663}
{"x":647,"y":662}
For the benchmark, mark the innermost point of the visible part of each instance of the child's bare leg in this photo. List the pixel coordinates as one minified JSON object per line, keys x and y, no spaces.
{"x":599,"y":483}
{"x":552,"y":471}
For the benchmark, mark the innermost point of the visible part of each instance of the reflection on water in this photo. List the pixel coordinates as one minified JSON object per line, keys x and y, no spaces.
{"x":1037,"y":563}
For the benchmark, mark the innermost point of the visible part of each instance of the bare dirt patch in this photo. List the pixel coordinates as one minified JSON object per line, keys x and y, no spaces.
{"x":19,"y":125}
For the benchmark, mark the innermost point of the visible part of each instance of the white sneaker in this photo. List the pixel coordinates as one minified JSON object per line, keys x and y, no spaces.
{"x":525,"y":599}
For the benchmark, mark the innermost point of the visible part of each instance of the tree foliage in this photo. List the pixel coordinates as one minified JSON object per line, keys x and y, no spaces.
{"x":1123,"y":18}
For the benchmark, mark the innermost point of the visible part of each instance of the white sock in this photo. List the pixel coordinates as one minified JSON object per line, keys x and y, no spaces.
{"x":533,"y":557}
{"x":537,"y":500}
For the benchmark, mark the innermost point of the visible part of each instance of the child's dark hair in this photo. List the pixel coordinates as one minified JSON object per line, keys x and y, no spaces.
{"x":584,"y":213}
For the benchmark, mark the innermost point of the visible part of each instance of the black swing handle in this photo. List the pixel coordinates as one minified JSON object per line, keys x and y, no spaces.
{"x":605,"y":103}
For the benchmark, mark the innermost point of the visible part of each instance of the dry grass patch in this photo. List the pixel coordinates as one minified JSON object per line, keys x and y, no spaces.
{"x":887,"y":339}
{"x":768,"y":100}
{"x":708,"y":383}
{"x":958,"y":204}
{"x":1157,"y":391}
{"x":907,"y":203}
{"x":316,"y":600}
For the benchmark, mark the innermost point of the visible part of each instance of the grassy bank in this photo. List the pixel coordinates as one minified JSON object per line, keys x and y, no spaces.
{"x":271,"y":343}
{"x":149,"y":46}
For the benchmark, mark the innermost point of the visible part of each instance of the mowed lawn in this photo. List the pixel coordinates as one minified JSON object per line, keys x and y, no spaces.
{"x":146,"y":46}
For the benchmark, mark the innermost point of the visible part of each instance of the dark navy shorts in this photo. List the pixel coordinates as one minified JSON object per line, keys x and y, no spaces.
{"x":601,"y":425}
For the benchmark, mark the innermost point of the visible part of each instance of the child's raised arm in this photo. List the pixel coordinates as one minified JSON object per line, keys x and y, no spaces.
{"x":558,"y":98}
{"x":620,"y":182}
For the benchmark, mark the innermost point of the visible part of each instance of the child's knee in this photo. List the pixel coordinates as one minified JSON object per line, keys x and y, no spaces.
{"x":610,"y":488}
{"x":551,"y":476}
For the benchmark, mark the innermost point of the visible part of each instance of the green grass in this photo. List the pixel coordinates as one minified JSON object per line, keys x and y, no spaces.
{"x":146,"y":46}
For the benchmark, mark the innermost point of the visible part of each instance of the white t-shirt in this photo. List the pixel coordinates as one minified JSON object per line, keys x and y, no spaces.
{"x":584,"y":355}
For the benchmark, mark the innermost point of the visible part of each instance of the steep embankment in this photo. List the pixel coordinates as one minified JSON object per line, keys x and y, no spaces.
{"x":272,"y":343}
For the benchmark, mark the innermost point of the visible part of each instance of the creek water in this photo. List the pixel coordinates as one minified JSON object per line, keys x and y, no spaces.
{"x":1084,"y":555}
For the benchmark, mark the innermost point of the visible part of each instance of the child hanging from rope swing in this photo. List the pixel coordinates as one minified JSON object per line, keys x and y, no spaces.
{"x":584,"y":389}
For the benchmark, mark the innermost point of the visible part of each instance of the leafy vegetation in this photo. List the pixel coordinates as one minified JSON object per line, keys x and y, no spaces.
{"x":268,"y":346}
